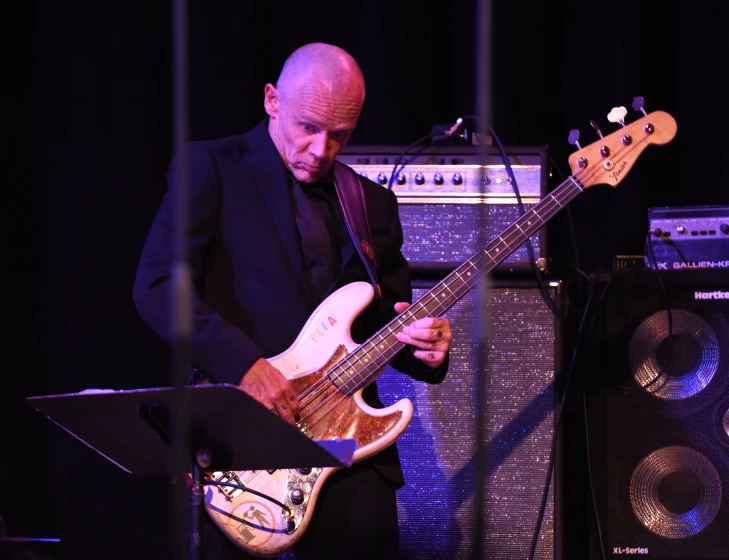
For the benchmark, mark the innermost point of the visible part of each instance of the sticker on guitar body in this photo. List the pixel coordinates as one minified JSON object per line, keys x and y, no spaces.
{"x":318,"y":332}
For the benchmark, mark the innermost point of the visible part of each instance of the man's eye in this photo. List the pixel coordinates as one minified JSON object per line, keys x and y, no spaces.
{"x":308,"y":128}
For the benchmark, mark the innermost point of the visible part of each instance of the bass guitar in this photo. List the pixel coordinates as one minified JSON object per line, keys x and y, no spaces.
{"x":328,"y":370}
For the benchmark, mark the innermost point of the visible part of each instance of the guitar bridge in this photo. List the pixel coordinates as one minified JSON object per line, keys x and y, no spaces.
{"x":304,"y":429}
{"x":230,"y":477}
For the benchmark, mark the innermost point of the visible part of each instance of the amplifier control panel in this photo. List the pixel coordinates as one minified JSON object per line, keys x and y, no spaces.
{"x":459,"y":175}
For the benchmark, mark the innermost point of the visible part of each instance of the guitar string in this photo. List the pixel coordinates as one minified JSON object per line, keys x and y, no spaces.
{"x":571,"y":187}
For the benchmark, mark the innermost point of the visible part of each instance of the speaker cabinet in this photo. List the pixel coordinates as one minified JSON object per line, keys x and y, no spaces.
{"x":658,"y":415}
{"x":451,"y":198}
{"x":439,"y":505}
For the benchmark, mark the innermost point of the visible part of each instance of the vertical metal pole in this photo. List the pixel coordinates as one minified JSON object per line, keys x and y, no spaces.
{"x":184,"y":541}
{"x":483,"y":106}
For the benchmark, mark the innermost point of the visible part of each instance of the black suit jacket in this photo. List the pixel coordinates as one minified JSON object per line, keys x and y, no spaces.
{"x":250,"y":297}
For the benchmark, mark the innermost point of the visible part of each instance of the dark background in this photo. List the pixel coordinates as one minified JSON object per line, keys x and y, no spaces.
{"x":92,"y":97}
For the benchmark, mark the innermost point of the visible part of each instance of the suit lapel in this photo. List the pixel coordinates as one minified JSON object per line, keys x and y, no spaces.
{"x":268,"y":174}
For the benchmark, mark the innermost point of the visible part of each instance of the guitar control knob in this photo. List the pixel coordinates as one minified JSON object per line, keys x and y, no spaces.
{"x":381,"y":178}
{"x":401,"y":178}
{"x":305,"y":470}
{"x":419,"y":179}
{"x":457,"y":178}
{"x":297,"y":496}
{"x":438,"y":178}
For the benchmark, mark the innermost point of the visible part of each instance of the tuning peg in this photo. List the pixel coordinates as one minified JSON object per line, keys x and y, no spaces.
{"x":574,"y":138}
{"x":593,"y":124}
{"x":638,"y":104}
{"x":618,"y":115}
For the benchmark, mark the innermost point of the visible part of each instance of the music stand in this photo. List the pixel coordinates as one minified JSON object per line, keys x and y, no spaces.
{"x":228,"y":430}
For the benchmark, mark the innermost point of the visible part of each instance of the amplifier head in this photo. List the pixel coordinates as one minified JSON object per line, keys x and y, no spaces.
{"x":688,"y":237}
{"x":454,"y":199}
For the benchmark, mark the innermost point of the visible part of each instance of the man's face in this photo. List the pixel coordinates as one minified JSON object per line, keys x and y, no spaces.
{"x":310,"y":123}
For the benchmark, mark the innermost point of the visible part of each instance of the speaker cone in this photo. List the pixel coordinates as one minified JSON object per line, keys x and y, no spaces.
{"x":675,"y":492}
{"x":676,"y":363}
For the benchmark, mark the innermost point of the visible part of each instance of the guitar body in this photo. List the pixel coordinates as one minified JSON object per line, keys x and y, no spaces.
{"x":259,"y":526}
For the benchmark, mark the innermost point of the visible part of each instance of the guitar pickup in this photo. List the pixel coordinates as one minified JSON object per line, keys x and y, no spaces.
{"x":230,"y":477}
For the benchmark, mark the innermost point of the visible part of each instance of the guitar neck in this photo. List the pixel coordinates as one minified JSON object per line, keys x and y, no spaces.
{"x":366,"y":362}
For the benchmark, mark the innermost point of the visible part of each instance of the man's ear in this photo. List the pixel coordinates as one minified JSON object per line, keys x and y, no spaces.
{"x":270,"y":100}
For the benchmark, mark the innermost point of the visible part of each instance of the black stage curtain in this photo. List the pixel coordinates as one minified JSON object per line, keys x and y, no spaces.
{"x":91,"y":95}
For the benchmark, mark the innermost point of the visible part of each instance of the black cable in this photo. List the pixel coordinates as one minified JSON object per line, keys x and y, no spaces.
{"x":664,"y":297}
{"x":398,"y":160}
{"x":246,"y":489}
{"x":530,"y":249}
{"x":558,"y":423}
{"x":598,"y":525}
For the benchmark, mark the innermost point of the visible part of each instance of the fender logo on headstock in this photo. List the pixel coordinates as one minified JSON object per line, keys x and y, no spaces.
{"x":619,"y":171}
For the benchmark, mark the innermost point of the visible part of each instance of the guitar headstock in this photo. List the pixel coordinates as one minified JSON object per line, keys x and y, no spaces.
{"x":608,"y":160}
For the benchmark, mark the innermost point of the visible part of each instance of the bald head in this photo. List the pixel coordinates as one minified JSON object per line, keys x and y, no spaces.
{"x":321,"y":61}
{"x":314,"y":107}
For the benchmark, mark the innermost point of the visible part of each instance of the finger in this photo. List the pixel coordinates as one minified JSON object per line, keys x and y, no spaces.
{"x":284,"y":411}
{"x":440,"y":345}
{"x":432,"y":358}
{"x":437,"y":323}
{"x":293,"y":402}
{"x":401,"y":306}
{"x":427,"y":334}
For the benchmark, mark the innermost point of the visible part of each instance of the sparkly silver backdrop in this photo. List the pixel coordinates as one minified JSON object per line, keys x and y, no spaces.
{"x":437,"y":507}
{"x":429,"y":243}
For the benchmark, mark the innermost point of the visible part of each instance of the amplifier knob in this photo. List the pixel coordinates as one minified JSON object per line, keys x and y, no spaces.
{"x":364,"y":174}
{"x":419,"y":179}
{"x":724,"y":228}
{"x":681,"y":230}
{"x":438,"y":178}
{"x":457,"y":179}
{"x":401,"y":178}
{"x":381,"y":178}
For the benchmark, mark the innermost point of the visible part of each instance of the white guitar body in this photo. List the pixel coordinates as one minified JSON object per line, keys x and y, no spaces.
{"x":259,"y":526}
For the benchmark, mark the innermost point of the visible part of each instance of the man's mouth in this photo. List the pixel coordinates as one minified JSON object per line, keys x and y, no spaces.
{"x":310,"y":168}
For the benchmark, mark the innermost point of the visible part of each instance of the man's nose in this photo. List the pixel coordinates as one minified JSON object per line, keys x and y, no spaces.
{"x":320,"y":146}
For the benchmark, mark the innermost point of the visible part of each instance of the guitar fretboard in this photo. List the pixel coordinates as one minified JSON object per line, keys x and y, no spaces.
{"x":359,"y":368}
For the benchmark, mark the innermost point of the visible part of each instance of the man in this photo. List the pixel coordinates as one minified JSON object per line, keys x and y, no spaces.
{"x":267,"y":242}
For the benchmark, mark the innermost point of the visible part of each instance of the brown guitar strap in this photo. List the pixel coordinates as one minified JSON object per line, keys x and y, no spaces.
{"x":354,"y":209}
